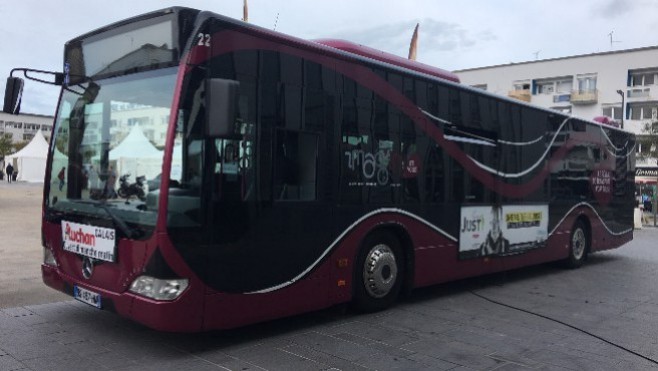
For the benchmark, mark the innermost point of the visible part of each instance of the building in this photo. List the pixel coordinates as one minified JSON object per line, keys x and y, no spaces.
{"x":622,"y":85}
{"x":21,"y":128}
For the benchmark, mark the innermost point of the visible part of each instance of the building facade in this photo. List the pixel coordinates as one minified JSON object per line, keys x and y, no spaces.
{"x":621,"y":85}
{"x":21,"y":128}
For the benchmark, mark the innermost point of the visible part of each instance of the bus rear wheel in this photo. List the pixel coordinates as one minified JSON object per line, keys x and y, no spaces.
{"x":579,"y":246}
{"x":378,"y":273}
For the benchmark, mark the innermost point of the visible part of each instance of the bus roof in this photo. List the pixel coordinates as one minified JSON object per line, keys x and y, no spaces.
{"x":381,"y":56}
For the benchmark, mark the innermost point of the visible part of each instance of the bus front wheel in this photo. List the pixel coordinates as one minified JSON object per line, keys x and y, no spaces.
{"x":378,"y":273}
{"x":579,"y":246}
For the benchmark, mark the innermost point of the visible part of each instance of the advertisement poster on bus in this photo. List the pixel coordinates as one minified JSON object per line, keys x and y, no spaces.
{"x":94,"y":242}
{"x":501,"y":230}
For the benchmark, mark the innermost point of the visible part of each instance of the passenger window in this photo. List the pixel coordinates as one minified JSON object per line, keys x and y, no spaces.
{"x":296,"y":162}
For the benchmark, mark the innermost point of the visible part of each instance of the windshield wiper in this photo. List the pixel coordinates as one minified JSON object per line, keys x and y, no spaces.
{"x":130,"y":232}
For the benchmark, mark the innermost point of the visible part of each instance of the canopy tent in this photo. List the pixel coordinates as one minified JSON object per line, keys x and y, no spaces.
{"x":135,"y":145}
{"x":135,"y":155}
{"x":30,"y":162}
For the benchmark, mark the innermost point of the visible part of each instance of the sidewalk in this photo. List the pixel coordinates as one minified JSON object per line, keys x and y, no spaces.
{"x":648,"y":220}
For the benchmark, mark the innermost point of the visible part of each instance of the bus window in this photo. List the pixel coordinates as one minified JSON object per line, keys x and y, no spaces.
{"x":296,"y":161}
{"x":232,"y":169}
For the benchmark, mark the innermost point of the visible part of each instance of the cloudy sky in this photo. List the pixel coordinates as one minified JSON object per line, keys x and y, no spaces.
{"x":453,"y":34}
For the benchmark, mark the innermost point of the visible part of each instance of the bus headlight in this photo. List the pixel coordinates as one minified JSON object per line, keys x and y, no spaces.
{"x":49,"y":257}
{"x":158,"y":289}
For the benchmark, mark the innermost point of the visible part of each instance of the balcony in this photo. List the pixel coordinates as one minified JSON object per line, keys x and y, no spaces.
{"x":523,"y":95}
{"x":583,"y":97}
{"x":638,"y":93}
{"x":562,"y":98}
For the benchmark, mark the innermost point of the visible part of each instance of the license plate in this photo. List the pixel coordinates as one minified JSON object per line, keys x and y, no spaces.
{"x":86,"y":296}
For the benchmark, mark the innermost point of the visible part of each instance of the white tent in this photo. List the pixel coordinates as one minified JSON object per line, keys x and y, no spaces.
{"x":30,"y":162}
{"x":135,"y":155}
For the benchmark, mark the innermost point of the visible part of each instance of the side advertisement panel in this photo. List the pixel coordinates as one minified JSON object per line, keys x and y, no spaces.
{"x":502,"y":230}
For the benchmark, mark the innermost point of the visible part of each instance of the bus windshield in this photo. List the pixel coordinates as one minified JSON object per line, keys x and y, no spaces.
{"x":107,"y":148}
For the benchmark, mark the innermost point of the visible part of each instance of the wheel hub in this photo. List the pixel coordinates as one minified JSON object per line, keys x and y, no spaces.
{"x":578,"y":243}
{"x":380,"y":271}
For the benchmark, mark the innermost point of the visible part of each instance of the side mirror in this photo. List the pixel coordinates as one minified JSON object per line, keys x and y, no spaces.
{"x":13,"y":93}
{"x":221,"y":100}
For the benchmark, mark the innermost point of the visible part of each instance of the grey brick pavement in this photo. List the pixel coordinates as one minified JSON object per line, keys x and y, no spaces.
{"x":445,"y":327}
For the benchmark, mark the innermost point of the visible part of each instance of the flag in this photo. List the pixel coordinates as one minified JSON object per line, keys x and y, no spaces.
{"x":414,"y":43}
{"x":245,"y":11}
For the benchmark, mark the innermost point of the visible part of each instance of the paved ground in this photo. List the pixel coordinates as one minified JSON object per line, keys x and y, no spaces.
{"x":446,"y":327}
{"x":20,"y":246}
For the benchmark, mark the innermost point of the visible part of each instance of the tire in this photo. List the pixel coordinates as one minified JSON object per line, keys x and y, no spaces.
{"x":579,"y":242}
{"x":122,"y":193}
{"x":378,"y":273}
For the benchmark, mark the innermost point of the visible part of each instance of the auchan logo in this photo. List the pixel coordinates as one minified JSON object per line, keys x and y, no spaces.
{"x":79,"y":236}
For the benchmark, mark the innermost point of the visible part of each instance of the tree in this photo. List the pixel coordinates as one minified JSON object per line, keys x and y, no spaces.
{"x":648,"y":141}
{"x":649,"y":154}
{"x":20,"y":145}
{"x":6,"y":146}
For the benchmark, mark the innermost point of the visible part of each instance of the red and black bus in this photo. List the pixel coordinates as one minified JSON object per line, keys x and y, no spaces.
{"x":205,"y":173}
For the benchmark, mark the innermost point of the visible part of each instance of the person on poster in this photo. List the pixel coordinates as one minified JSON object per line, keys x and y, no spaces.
{"x":495,"y":243}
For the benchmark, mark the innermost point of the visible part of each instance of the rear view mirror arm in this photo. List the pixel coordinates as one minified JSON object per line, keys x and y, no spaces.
{"x":59,"y":77}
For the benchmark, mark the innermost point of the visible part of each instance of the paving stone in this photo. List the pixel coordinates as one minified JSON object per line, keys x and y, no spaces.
{"x":9,"y":363}
{"x":379,"y":333}
{"x":65,"y":362}
{"x":333,"y":361}
{"x":459,"y":354}
{"x":218,"y":357}
{"x":277,"y":359}
{"x":332,"y":345}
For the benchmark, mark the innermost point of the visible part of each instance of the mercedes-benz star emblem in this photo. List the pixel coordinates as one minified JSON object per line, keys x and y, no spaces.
{"x":87,"y":267}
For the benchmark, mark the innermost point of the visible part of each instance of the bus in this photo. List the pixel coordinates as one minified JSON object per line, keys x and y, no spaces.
{"x":280,"y":176}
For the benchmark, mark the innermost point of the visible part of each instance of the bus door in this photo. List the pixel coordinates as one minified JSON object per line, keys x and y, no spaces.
{"x":232,"y":194}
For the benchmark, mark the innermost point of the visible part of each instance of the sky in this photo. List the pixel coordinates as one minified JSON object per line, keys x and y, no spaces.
{"x":453,"y":35}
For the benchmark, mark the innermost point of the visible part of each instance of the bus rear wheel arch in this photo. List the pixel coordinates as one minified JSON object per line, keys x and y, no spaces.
{"x":380,"y":271}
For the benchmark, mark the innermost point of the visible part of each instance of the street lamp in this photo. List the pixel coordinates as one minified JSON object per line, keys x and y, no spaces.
{"x":622,"y":107}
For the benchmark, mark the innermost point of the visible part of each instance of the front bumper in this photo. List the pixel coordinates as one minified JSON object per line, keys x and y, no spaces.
{"x":181,"y":315}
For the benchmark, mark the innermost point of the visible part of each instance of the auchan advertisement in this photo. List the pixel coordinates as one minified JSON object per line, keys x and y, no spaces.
{"x":87,"y":240}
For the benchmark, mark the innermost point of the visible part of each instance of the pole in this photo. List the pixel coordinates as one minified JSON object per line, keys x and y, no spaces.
{"x":620,"y":92}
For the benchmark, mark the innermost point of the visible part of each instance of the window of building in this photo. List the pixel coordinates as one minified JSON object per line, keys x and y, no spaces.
{"x":643,"y":77}
{"x":638,"y":93}
{"x":554,"y":85}
{"x":521,"y":85}
{"x":564,"y":86}
{"x":586,"y":83}
{"x":612,"y":111}
{"x":545,"y":88}
{"x":643,"y":111}
{"x":562,"y":98}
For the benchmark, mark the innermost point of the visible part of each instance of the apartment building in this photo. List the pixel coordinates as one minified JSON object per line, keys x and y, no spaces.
{"x":21,"y":128}
{"x":622,"y":85}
